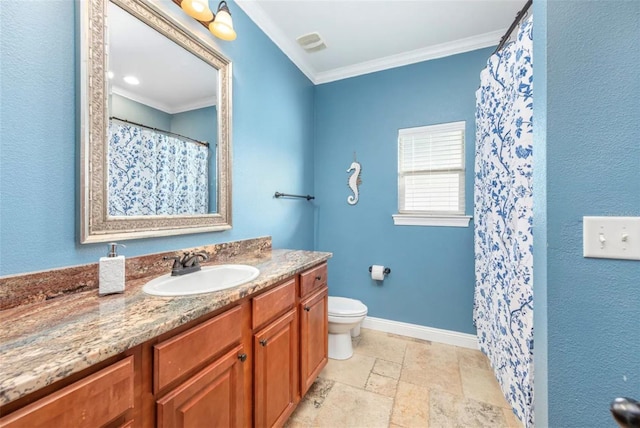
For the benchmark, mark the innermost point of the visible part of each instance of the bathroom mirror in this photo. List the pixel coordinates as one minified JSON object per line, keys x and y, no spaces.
{"x":155,"y":125}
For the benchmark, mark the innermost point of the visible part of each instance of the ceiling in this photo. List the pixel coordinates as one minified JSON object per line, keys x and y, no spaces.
{"x":159,"y":63}
{"x":363,"y":36}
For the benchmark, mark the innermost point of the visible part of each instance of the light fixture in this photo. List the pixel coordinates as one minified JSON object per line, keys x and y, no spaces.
{"x":222,"y":24}
{"x":132,"y":80}
{"x":219,"y":24}
{"x":198,"y":9}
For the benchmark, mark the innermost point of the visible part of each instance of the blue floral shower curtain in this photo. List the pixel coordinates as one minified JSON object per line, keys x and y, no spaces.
{"x":503,"y":202}
{"x":151,"y":173}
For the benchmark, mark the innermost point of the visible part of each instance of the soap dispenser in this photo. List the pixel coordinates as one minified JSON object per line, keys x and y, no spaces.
{"x":111,"y":272}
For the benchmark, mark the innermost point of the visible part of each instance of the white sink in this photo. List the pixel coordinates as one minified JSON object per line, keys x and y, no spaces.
{"x":210,"y":278}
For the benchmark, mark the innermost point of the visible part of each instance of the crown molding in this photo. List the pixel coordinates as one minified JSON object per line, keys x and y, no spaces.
{"x":411,"y":57}
{"x":290,"y":48}
{"x":119,"y":90}
{"x":209,"y":101}
{"x":197,"y":104}
{"x":257,"y":14}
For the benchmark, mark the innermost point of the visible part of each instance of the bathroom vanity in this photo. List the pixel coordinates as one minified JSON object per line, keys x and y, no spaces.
{"x":237,"y":357}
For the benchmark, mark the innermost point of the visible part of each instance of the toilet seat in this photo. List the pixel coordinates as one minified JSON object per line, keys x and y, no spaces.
{"x":344,"y":307}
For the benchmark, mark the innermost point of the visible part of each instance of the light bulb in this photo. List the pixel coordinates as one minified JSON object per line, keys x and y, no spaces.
{"x":222,"y":26}
{"x":132,"y":80}
{"x":198,"y":9}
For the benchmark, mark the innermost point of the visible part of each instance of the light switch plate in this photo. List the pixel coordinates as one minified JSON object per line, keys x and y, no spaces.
{"x":611,"y":237}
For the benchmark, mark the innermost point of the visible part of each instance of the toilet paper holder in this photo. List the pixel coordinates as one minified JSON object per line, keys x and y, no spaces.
{"x":386,"y":270}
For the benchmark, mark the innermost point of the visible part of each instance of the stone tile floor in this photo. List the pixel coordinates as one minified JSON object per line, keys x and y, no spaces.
{"x":396,"y":381}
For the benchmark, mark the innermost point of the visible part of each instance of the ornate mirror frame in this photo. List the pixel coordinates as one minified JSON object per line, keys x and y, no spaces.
{"x":95,"y":223}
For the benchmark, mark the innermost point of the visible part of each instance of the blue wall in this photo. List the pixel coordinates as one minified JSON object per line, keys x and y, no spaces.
{"x":432,"y":276}
{"x":592,"y":168}
{"x":133,"y":111}
{"x":200,"y":124}
{"x":272,"y":142}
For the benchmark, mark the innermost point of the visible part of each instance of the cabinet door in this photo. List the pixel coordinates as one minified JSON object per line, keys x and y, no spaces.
{"x":211,"y":398}
{"x":276,"y":371}
{"x":314,"y":338}
{"x":91,"y":402}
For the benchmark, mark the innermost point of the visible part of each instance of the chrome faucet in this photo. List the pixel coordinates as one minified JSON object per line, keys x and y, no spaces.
{"x":188,"y":263}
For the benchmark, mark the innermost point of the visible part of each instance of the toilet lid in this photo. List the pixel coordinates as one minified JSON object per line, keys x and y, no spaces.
{"x":346,"y":307}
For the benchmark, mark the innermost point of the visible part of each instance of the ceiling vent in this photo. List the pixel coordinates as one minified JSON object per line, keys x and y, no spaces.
{"x":311,"y":42}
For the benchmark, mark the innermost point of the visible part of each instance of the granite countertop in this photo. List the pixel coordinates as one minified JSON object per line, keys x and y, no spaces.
{"x":44,"y":342}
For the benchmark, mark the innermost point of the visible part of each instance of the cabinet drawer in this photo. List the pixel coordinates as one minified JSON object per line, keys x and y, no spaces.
{"x":90,"y":402}
{"x":313,"y":279}
{"x":180,"y":355}
{"x":274,"y":302}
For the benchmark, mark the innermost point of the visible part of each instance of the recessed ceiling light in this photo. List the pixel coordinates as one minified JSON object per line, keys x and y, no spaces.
{"x":110,"y":75}
{"x":132,"y":80}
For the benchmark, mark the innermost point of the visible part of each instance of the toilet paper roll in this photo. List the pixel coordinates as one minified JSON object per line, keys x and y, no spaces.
{"x":377,"y":272}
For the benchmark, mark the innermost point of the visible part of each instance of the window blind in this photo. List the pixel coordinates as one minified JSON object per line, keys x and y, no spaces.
{"x":431,"y":169}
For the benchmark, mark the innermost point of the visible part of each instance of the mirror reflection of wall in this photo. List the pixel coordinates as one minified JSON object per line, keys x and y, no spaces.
{"x":154,"y":83}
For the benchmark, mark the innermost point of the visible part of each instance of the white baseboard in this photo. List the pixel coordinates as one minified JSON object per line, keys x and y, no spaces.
{"x":421,"y":332}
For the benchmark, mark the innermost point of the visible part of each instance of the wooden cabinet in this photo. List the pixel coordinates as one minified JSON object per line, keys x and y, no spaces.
{"x":275,"y":376}
{"x":314,"y":325}
{"x":288,"y":331}
{"x":275,"y":349}
{"x":95,"y":401}
{"x":314,"y":339}
{"x":248,"y":364}
{"x":211,"y":398}
{"x":273,"y":303}
{"x":313,"y":279}
{"x":181,"y":355}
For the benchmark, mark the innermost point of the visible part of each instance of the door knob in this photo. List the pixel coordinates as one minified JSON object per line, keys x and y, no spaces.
{"x":307,"y":308}
{"x":263,"y":342}
{"x":242,"y":357}
{"x":626,"y":412}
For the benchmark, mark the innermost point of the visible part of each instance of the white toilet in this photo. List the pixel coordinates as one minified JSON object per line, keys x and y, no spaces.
{"x":345,"y":316}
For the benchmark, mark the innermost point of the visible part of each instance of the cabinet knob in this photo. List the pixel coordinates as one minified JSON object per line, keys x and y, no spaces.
{"x":307,"y":308}
{"x":318,"y":278}
{"x":263,"y":342}
{"x":242,"y":357}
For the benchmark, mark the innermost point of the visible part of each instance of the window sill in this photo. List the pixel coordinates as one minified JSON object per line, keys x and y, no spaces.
{"x":431,"y":220}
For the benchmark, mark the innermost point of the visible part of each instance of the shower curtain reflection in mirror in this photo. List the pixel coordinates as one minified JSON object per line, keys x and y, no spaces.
{"x":152,"y":173}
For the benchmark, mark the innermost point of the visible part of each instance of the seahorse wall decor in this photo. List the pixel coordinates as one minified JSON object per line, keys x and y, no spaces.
{"x":354,"y":182}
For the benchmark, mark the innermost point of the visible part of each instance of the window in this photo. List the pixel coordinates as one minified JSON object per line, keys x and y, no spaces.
{"x":431,"y":175}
